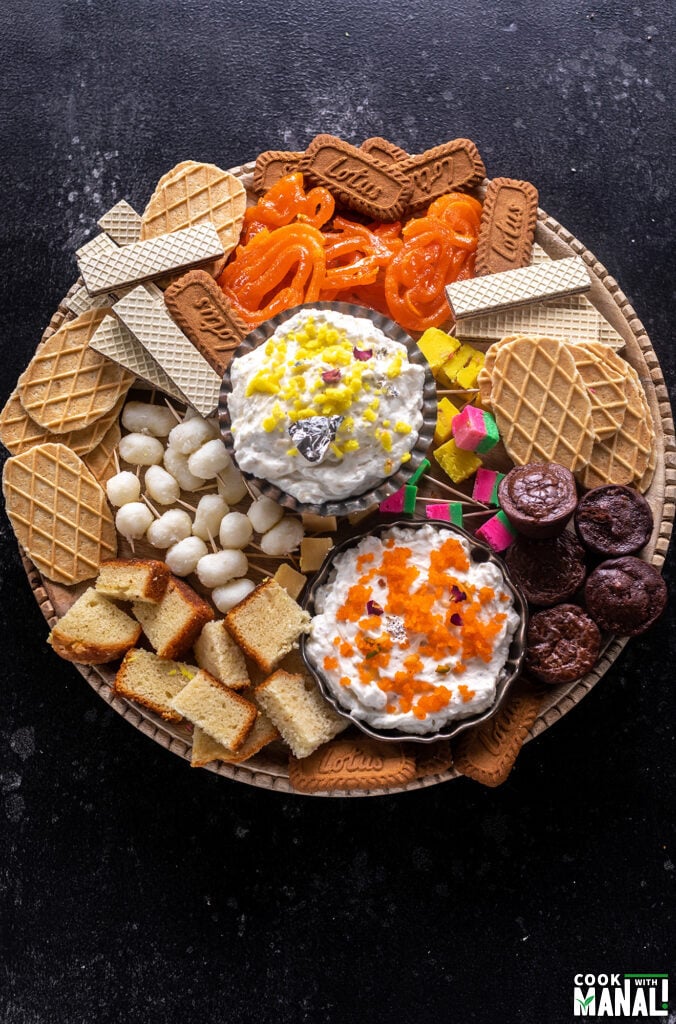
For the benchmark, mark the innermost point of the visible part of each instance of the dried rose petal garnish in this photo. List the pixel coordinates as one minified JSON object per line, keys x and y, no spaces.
{"x":373,"y":608}
{"x":331,"y":376}
{"x":455,"y":619}
{"x":362,"y":353}
{"x":457,"y":594}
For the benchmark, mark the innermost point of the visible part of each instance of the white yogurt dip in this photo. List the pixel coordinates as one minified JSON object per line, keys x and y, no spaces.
{"x":411,"y":633}
{"x":339,"y":379}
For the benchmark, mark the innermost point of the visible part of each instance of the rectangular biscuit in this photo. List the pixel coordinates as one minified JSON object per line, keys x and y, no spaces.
{"x":357,"y":179}
{"x":454,"y":165}
{"x":507,"y":228}
{"x":355,"y":763}
{"x":198,"y":306}
{"x":273,"y":165}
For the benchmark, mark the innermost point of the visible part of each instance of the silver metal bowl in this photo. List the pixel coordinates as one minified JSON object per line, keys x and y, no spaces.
{"x":480,"y":552}
{"x":390,"y":484}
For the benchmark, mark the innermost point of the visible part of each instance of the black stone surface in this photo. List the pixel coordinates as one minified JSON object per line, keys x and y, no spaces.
{"x":137,"y":890}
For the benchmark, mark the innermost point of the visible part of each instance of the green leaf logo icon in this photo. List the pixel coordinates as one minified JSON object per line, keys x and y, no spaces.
{"x":585,"y":1002}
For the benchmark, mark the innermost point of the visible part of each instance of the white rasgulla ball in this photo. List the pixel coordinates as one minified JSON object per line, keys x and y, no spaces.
{"x":171,"y":527}
{"x":161,"y":486}
{"x":264,"y":513}
{"x":230,"y":483}
{"x":210,"y":510}
{"x":123,"y":488}
{"x":133,"y":520}
{"x":177,"y":465}
{"x":182,"y":557}
{"x":221,"y":567}
{"x":209,"y":460}
{"x":190,"y":435}
{"x":284,"y":537}
{"x":230,"y":594}
{"x":143,"y":418}
{"x":141,"y":450}
{"x":235,"y":530}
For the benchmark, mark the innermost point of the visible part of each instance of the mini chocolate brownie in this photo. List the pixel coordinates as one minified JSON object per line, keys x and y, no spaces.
{"x":613,"y":520}
{"x":548,"y":571}
{"x":625,"y":595}
{"x":538,"y":498}
{"x":562,"y":644}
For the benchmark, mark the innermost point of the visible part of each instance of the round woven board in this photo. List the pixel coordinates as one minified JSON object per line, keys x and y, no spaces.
{"x":269,"y":772}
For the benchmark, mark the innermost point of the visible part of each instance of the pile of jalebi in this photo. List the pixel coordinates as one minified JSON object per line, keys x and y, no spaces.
{"x":289,"y":255}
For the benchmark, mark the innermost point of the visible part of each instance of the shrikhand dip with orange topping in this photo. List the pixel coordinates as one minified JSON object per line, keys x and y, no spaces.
{"x":327,"y":407}
{"x":411,"y":632}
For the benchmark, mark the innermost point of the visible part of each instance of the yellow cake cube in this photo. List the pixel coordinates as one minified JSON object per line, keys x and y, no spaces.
{"x":456,"y":463}
{"x":446,"y":412}
{"x":437,"y":347}
{"x":462,"y":369}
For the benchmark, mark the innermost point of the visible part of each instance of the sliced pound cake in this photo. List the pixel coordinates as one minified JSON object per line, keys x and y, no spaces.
{"x":153,"y":681}
{"x":94,"y":631}
{"x":205,"y":749}
{"x":225,"y":715}
{"x":217,"y":652}
{"x":173,"y":625}
{"x":267,"y":624}
{"x":296,"y":707}
{"x":133,"y":579}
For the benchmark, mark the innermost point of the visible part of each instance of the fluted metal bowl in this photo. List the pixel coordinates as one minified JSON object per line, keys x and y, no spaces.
{"x":374,"y":495}
{"x":480,"y":552}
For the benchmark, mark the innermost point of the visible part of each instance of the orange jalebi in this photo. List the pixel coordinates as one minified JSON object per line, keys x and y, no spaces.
{"x":274,"y":271}
{"x":284,"y":259}
{"x":438,"y":249}
{"x":286,"y":201}
{"x":355,"y":253}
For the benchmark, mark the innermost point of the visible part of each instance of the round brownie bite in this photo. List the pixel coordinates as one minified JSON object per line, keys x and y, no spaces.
{"x":538,"y":498}
{"x":613,"y":520}
{"x":548,"y":571}
{"x":562,"y":644}
{"x":625,"y":595}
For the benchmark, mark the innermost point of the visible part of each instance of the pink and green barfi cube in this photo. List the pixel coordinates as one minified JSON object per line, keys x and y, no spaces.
{"x":475,"y":430}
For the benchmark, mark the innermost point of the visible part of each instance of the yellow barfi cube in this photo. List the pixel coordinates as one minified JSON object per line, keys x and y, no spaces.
{"x":456,"y":463}
{"x":465,"y":359}
{"x":437,"y":347}
{"x":446,"y":411}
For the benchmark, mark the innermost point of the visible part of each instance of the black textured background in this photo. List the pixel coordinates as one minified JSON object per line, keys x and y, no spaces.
{"x":135,"y":889}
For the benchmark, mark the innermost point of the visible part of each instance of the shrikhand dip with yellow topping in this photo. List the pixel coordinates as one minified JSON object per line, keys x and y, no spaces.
{"x":326,"y":408}
{"x":411,"y":633}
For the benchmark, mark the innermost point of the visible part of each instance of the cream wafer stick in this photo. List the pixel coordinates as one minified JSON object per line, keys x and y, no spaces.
{"x":121,"y":223}
{"x":150,"y":324}
{"x":81,"y":301}
{"x":114,"y":341}
{"x":105,"y":266}
{"x":518,"y":287}
{"x":574,"y":319}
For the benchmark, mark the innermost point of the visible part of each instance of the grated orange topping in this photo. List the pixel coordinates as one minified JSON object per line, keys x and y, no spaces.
{"x":441,"y":614}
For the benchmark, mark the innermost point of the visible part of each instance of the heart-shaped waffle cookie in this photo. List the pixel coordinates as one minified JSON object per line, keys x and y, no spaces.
{"x":603,"y":374}
{"x":628,"y":456}
{"x":67,"y":386}
{"x":540,"y":403}
{"x":19,"y":432}
{"x":192,"y":193}
{"x":59,"y":513}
